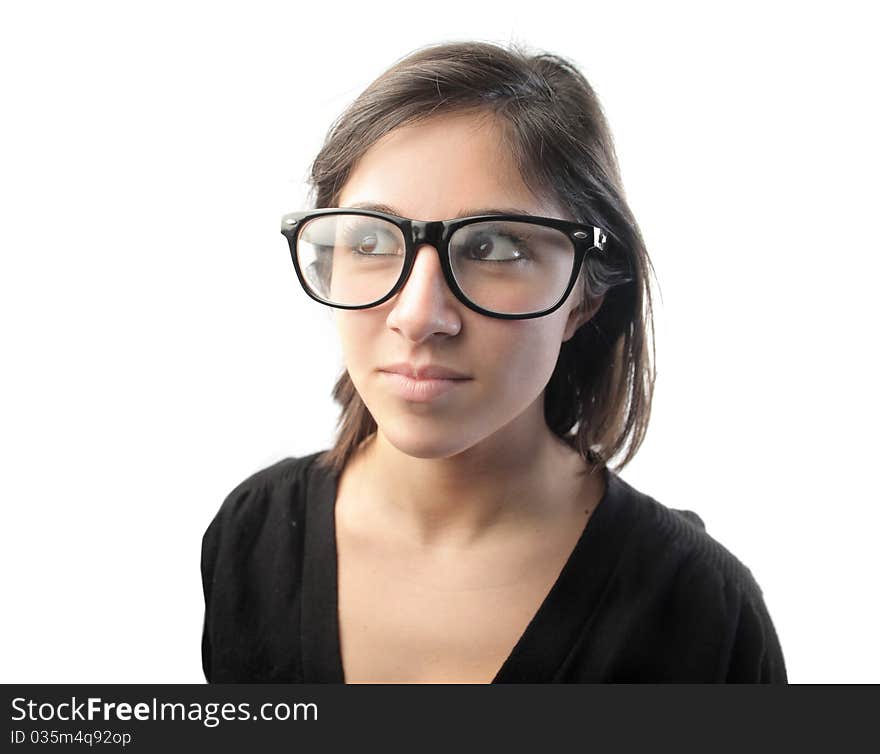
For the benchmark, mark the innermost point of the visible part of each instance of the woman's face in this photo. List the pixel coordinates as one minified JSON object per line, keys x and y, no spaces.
{"x":444,"y":168}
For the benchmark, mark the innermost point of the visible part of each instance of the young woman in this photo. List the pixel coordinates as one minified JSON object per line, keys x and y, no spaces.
{"x":490,"y":288}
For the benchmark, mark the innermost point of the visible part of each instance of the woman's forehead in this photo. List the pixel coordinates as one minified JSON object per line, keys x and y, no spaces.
{"x":441,"y":165}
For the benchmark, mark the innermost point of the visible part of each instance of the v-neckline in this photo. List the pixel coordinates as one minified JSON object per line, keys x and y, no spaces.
{"x":539,"y":654}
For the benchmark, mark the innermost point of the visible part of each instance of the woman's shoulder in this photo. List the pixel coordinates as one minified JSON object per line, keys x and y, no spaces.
{"x":679,"y":536}
{"x":288,"y":471}
{"x":264,"y":505}
{"x":251,"y":563}
{"x":697,"y":586}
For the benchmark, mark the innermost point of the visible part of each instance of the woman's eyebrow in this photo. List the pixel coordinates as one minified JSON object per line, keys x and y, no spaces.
{"x":376,"y":207}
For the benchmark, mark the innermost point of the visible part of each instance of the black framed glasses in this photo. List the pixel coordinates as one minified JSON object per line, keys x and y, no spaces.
{"x":505,"y":266}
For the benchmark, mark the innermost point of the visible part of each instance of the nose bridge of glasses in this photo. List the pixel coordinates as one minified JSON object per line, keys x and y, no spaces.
{"x":427,"y":232}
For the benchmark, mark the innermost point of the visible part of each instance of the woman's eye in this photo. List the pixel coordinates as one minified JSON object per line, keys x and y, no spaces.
{"x":368,"y":244}
{"x":498,"y":248}
{"x":373,"y":244}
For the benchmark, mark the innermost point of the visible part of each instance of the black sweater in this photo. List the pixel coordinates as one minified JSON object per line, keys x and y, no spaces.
{"x":645,"y":596}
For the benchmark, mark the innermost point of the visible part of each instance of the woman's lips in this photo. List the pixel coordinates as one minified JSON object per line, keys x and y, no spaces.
{"x":420,"y":391}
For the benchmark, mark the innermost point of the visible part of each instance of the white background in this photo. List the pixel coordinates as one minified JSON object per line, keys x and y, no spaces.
{"x":157,"y":348}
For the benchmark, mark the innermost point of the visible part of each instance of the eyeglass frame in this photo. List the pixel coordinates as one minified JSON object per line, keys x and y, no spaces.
{"x":437,"y":233}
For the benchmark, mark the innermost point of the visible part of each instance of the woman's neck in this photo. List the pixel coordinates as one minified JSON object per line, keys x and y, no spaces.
{"x":497,"y":487}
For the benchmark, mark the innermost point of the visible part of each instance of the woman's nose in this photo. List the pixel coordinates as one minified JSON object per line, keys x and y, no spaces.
{"x":425,"y":305}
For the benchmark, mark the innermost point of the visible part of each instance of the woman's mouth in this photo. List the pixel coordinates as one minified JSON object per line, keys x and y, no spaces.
{"x":421,"y":391}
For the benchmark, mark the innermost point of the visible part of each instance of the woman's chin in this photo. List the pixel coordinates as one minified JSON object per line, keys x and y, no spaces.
{"x":420,"y":443}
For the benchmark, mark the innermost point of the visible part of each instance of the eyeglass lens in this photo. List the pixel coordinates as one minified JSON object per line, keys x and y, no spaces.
{"x":503,"y":266}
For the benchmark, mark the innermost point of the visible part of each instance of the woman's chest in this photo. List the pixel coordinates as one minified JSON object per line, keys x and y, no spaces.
{"x":407,"y":620}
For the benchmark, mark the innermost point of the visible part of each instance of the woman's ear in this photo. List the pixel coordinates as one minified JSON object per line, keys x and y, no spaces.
{"x":580,"y":315}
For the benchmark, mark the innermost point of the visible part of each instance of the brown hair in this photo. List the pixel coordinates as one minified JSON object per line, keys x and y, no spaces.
{"x":598,"y":399}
